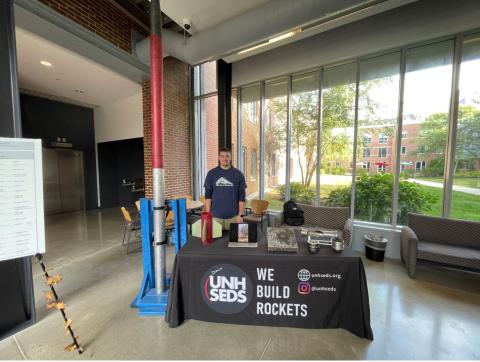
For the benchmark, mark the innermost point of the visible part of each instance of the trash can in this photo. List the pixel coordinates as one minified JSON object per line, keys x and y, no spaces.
{"x":375,"y":246}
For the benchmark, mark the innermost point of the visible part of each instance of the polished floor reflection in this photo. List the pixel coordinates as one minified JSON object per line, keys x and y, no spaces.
{"x":435,"y":316}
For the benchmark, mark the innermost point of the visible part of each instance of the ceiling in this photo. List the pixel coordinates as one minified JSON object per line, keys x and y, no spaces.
{"x":205,"y":14}
{"x":71,"y":77}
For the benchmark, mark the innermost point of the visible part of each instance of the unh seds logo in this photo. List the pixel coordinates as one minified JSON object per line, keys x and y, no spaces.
{"x":226,"y":289}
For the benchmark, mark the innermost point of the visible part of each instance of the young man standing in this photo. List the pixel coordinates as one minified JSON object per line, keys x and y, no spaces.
{"x":225,"y":191}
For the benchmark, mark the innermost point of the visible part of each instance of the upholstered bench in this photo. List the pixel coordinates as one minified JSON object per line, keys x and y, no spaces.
{"x":448,"y":242}
{"x":329,"y":218}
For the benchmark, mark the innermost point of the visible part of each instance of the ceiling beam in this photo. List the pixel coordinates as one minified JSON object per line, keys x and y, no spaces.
{"x":133,"y":12}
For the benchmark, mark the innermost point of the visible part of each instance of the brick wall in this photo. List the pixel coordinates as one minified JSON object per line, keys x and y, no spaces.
{"x":100,"y":17}
{"x":177,"y":130}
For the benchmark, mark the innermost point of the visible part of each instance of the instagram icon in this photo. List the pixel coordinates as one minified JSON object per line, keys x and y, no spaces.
{"x":304,"y":288}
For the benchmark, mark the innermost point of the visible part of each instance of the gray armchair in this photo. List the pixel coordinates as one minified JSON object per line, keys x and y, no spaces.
{"x":445,"y":241}
{"x":331,"y":218}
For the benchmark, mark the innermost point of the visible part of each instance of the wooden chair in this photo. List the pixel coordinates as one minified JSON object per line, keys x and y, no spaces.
{"x":129,"y":226}
{"x":188,"y":197}
{"x":192,"y":216}
{"x":169,"y":220}
{"x":257,"y":213}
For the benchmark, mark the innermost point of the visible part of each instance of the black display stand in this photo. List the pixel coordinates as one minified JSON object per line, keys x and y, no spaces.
{"x":17,"y":304}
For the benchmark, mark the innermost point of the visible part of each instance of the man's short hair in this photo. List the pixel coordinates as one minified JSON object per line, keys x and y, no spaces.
{"x":225,"y":149}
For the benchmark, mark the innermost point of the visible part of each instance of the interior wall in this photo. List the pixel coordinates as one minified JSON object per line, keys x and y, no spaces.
{"x":122,"y":119}
{"x":117,"y":161}
{"x":416,"y":22}
{"x":47,"y":119}
{"x":393,"y":235}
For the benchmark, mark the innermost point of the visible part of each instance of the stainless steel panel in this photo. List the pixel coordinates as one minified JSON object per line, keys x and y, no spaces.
{"x":51,"y":182}
{"x":72,"y":190}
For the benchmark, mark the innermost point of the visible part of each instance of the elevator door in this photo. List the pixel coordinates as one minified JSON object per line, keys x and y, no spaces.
{"x":63,"y":180}
{"x":70,"y":172}
{"x":51,"y":183}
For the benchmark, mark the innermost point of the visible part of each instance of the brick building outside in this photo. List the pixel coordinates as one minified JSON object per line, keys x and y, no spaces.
{"x":377,"y":151}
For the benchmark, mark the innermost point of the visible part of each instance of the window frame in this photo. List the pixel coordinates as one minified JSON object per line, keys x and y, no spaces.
{"x":396,"y":145}
{"x":422,"y":165}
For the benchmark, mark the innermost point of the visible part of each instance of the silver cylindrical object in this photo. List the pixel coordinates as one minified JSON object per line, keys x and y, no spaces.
{"x":159,"y":249}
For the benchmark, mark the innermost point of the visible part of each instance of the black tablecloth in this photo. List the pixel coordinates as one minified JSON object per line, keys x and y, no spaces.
{"x":216,"y":283}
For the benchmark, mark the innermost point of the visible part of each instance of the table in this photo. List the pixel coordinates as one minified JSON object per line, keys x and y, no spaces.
{"x":194,"y":205}
{"x":216,"y":283}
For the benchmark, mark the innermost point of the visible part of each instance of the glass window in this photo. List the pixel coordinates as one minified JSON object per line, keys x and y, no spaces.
{"x":275,"y":142}
{"x":196,"y":81}
{"x":205,"y":122}
{"x":338,"y":121}
{"x":253,"y":170}
{"x":377,"y":116}
{"x":366,"y":152}
{"x":205,"y":78}
{"x":252,"y":112}
{"x":404,"y":150}
{"x":234,"y":126}
{"x":244,"y":160}
{"x":206,"y":138}
{"x":419,"y":165}
{"x":404,"y":135}
{"x":367,"y":139}
{"x":208,"y":77}
{"x":250,"y":98}
{"x":303,"y":153}
{"x":210,"y":119}
{"x":466,"y":181}
{"x":428,"y":82}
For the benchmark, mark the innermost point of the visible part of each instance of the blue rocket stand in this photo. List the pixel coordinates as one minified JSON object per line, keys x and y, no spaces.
{"x":147,"y":300}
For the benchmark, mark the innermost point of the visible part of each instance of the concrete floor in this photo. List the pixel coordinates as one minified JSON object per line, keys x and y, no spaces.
{"x":435,"y":316}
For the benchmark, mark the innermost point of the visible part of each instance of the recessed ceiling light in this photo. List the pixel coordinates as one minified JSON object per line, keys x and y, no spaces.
{"x":45,"y":63}
{"x":78,"y":91}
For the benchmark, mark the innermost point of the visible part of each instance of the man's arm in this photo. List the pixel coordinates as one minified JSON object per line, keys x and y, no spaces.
{"x":208,"y":193}
{"x":241,"y":199}
{"x":208,"y":205}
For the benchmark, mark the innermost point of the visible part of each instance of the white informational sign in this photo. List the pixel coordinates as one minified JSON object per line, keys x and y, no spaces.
{"x":22,"y":229}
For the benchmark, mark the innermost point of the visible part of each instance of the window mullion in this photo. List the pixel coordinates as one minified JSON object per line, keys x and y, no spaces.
{"x":452,"y":127}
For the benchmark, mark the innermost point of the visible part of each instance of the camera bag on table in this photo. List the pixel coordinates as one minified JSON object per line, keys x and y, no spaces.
{"x":292,"y":214}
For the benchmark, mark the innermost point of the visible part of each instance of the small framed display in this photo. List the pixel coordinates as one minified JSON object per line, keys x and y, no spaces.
{"x":243,"y":235}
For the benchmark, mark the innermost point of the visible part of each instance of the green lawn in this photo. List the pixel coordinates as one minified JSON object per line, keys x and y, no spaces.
{"x":458,"y":181}
{"x":464,"y":206}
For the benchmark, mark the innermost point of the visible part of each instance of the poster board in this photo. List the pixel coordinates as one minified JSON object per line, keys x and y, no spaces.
{"x":22,"y":226}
